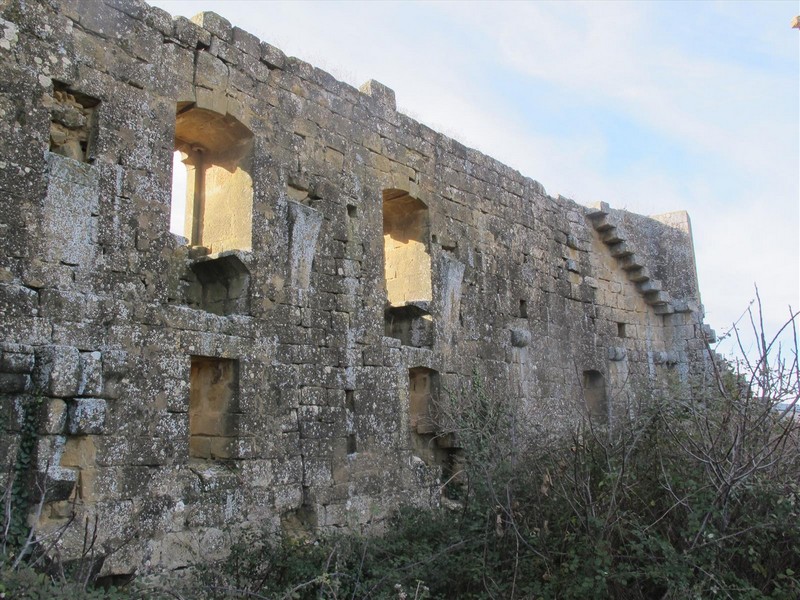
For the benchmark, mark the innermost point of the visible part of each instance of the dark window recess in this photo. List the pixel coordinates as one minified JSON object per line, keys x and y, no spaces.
{"x":411,"y":324}
{"x":350,"y":410}
{"x":594,"y":394}
{"x":523,"y":309}
{"x":72,"y":123}
{"x":222,"y":286}
{"x":352,"y":211}
{"x":621,"y":330}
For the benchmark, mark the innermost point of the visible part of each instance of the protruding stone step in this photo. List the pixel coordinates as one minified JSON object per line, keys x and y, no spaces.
{"x":620,"y":249}
{"x":684,"y":306}
{"x":598,"y":210}
{"x":655,"y":298}
{"x":639,"y":275}
{"x":602,"y":224}
{"x":649,"y":285}
{"x":664,"y":309}
{"x":612,"y":236}
{"x":630,"y":263}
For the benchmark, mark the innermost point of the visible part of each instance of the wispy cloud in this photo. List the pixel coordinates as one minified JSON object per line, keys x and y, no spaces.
{"x":650,"y":106}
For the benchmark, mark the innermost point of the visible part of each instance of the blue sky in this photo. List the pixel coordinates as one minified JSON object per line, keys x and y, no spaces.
{"x":649,"y":106}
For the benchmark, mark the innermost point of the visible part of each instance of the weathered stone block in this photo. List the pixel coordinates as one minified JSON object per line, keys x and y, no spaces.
{"x":214,"y":24}
{"x":617,"y":353}
{"x":87,"y":416}
{"x":11,"y":383}
{"x":272,"y":56}
{"x":57,"y":371}
{"x":70,"y":211}
{"x":55,"y":416}
{"x":91,"y":383}
{"x":382,"y":94}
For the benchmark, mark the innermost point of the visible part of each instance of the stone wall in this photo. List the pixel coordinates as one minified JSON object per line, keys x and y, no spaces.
{"x":249,"y":368}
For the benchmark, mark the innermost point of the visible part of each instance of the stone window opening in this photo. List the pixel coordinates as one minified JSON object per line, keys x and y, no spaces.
{"x":621,"y":330}
{"x":594,"y":394}
{"x":72,"y":123}
{"x":523,"y":309}
{"x":212,"y":188}
{"x":407,"y":268}
{"x":213,"y":408}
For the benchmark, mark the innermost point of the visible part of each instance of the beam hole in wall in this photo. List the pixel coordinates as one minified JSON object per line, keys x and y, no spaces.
{"x":352,"y":211}
{"x":213,"y":408}
{"x":212,"y":189}
{"x":594,"y":394}
{"x":523,"y":309}
{"x":621,"y":330}
{"x":72,"y":123}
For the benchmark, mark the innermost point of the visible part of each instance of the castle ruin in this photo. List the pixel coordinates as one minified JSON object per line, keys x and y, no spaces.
{"x":232,"y":288}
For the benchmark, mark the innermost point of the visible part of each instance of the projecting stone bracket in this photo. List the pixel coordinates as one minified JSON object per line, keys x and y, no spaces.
{"x":304,"y":226}
{"x":617,"y":353}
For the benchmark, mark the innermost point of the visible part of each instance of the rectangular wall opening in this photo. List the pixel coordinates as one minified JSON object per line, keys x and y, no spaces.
{"x":621,"y":330}
{"x":594,"y":394}
{"x":72,"y":123}
{"x":523,"y":309}
{"x":350,"y":416}
{"x":213,"y":408}
{"x":429,"y":442}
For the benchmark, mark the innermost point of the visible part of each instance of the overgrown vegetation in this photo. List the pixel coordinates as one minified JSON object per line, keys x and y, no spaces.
{"x":685,"y":497}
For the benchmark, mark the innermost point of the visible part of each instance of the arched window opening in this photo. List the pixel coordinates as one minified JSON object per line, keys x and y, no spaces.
{"x":594,"y":394}
{"x":212,"y":189}
{"x":406,"y":249}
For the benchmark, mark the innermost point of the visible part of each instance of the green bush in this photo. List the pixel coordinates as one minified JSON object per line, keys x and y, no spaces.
{"x":695,"y":498}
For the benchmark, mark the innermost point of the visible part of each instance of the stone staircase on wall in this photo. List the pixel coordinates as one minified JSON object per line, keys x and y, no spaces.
{"x":652,"y":289}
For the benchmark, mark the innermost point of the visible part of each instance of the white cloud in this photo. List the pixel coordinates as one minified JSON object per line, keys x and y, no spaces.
{"x":734,"y":118}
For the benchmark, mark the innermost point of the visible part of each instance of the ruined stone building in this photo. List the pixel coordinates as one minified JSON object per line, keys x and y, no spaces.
{"x":235,"y":287}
